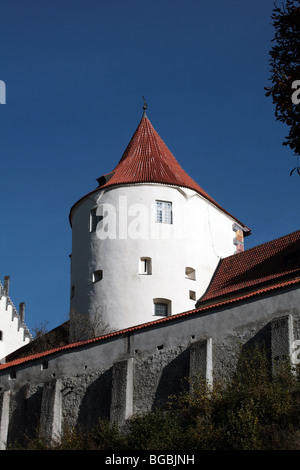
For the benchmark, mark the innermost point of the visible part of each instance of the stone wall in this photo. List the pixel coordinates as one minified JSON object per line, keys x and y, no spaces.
{"x":137,"y":370}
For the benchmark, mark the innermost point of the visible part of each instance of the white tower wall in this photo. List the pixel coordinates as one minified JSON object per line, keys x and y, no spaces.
{"x":199,"y":235}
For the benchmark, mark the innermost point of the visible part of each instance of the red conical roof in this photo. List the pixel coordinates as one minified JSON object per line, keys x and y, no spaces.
{"x":147,"y":159}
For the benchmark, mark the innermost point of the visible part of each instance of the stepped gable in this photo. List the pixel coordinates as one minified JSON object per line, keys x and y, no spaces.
{"x":263,"y":265}
{"x":147,"y":159}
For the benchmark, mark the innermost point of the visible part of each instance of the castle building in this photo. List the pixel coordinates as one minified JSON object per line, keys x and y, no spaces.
{"x":162,"y":289}
{"x":147,"y":240}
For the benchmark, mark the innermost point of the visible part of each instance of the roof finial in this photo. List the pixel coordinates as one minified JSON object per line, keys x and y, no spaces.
{"x":144,"y":107}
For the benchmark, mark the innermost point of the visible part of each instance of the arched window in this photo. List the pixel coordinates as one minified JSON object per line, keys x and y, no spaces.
{"x":190,"y":273}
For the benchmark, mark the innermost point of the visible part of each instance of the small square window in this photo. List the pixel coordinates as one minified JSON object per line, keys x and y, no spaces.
{"x":192,"y":295}
{"x":164,"y":212}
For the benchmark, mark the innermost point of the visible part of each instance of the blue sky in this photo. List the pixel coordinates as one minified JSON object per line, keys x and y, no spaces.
{"x":75,"y":72}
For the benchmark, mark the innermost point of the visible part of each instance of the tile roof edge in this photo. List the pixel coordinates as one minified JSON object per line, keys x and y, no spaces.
{"x":177,"y":316}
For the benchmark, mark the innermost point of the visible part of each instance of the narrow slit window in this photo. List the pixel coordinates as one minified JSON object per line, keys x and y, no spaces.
{"x":164,"y":212}
{"x":94,"y":219}
{"x":1,"y":335}
{"x":97,"y":275}
{"x":145,"y":266}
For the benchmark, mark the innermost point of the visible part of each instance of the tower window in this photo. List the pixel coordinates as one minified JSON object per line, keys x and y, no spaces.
{"x":164,"y":212}
{"x":1,"y":335}
{"x":192,"y":295}
{"x":190,"y":273}
{"x":162,"y":307}
{"x":145,"y":266}
{"x":94,"y":219}
{"x":97,"y":275}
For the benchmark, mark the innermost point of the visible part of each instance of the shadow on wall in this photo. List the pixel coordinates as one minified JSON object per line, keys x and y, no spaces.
{"x":172,"y":379}
{"x":96,"y":402}
{"x":26,"y":412}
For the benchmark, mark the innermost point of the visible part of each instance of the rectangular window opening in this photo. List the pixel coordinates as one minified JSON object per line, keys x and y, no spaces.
{"x":145,"y":266}
{"x":192,"y":295}
{"x":13,"y":375}
{"x":164,"y":213}
{"x":94,"y":220}
{"x":97,"y":275}
{"x":162,"y":307}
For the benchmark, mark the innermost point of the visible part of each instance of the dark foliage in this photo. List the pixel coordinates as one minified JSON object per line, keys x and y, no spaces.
{"x":285,"y":71}
{"x":252,"y":410}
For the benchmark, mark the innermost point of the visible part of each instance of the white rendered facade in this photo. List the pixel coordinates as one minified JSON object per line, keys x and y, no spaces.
{"x":13,"y":331}
{"x":133,"y":261}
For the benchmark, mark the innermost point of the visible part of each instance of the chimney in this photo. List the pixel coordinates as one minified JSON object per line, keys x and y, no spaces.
{"x":22,"y":311}
{"x":6,"y":284}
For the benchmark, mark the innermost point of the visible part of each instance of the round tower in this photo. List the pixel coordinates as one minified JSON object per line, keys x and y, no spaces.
{"x":145,"y":242}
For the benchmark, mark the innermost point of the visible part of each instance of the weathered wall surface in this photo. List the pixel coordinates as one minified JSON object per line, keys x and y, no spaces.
{"x":136,"y":371}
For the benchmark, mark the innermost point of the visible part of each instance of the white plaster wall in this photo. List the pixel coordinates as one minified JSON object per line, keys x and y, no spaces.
{"x":198,"y":237}
{"x":12,"y":336}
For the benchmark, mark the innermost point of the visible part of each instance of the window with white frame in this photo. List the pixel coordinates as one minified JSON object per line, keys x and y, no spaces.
{"x":94,"y":219}
{"x":164,"y":212}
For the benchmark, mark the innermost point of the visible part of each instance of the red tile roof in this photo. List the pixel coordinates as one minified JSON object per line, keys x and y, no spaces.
{"x":147,"y":159}
{"x":202,"y":309}
{"x":258,"y":266}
